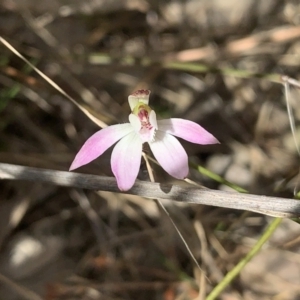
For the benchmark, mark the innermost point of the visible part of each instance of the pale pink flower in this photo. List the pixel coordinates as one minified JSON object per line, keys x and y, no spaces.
{"x":143,"y":127}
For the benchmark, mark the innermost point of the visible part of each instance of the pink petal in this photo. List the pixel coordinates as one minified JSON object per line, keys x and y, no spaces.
{"x":170,"y":154}
{"x":187,"y":130}
{"x":126,"y":160}
{"x":100,"y":142}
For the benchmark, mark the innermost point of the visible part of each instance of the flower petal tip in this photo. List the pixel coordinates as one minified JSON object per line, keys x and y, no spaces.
{"x":141,"y":94}
{"x":206,"y":138}
{"x":213,"y":140}
{"x":186,"y":176}
{"x":124,"y":187}
{"x":71,"y":169}
{"x":74,"y":166}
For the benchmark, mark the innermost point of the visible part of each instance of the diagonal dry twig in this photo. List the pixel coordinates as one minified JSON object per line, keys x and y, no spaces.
{"x":272,"y":206}
{"x":18,"y":289}
{"x":53,"y":84}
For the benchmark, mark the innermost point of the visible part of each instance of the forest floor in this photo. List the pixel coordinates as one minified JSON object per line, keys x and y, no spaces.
{"x":62,"y":243}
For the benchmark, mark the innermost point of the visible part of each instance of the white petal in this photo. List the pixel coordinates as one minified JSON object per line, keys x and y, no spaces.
{"x":152,"y":119}
{"x":126,"y":160}
{"x":170,"y":154}
{"x":135,"y":122}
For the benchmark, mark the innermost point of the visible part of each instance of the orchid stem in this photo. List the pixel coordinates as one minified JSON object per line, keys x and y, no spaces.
{"x":231,"y":275}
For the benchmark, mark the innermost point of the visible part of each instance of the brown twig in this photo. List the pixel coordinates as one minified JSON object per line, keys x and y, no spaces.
{"x":273,"y":206}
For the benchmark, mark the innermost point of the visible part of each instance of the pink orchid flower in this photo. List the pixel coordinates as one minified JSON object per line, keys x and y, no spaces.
{"x":143,"y":127}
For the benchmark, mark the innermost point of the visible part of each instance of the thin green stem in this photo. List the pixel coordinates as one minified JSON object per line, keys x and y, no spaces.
{"x":203,"y":68}
{"x":238,"y":268}
{"x":217,"y":178}
{"x":99,"y":58}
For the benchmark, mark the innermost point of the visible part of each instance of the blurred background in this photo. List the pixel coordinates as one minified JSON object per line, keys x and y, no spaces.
{"x":217,"y":63}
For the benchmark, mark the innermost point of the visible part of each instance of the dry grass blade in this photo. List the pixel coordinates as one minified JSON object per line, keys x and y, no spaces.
{"x":53,"y":84}
{"x":290,"y":114}
{"x":23,"y":292}
{"x":159,"y":203}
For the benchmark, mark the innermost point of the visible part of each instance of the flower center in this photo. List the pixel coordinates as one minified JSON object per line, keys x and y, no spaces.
{"x":143,"y":119}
